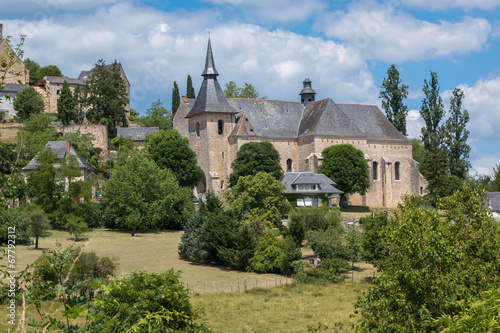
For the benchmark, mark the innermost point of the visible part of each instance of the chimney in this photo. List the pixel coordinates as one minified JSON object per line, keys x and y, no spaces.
{"x":1,"y":30}
{"x":184,"y":100}
{"x":68,"y":147}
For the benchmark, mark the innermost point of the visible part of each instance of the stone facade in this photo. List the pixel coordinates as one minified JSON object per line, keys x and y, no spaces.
{"x":17,"y":68}
{"x":99,"y":132}
{"x":300,"y":130}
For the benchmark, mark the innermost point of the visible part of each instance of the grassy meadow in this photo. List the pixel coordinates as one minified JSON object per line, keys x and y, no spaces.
{"x":286,"y":308}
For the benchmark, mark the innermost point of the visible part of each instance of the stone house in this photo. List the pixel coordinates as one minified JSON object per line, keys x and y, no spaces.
{"x":310,"y":189}
{"x":62,"y":149}
{"x":217,"y":127}
{"x":19,"y":68}
{"x":493,"y":200}
{"x":137,"y":134}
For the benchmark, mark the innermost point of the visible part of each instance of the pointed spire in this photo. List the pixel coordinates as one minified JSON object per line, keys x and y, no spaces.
{"x":209,"y":62}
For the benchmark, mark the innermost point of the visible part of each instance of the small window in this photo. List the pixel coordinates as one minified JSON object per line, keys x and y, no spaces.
{"x":289,"y":164}
{"x":58,"y":91}
{"x":221,"y":184}
{"x":198,"y":129}
{"x":396,"y":171}
{"x":220,"y":124}
{"x":375,"y":171}
{"x":222,"y":155}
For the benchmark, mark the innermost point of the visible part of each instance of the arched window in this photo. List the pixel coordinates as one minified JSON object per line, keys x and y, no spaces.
{"x":220,"y":124}
{"x":396,"y":171}
{"x":375,"y":170}
{"x":198,"y":129}
{"x":289,"y":164}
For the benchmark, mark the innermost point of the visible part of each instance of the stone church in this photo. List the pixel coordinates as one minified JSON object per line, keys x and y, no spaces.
{"x":217,"y":127}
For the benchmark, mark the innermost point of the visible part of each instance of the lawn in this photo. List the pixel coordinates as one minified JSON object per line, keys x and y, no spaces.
{"x":286,"y":308}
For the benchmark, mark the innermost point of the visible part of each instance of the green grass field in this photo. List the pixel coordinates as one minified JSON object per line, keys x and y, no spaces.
{"x":280,"y":309}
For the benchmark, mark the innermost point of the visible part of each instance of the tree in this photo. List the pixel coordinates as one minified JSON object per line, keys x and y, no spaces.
{"x":418,"y":151}
{"x":66,"y":106}
{"x":393,"y":94}
{"x":296,"y":228}
{"x":436,"y":261}
{"x":190,"y":89}
{"x":354,"y":244}
{"x":435,"y":171}
{"x":176,"y":98}
{"x":432,"y":111}
{"x":36,"y":222}
{"x":33,"y":67}
{"x":260,"y":195}
{"x":254,"y":157}
{"x":170,"y":150}
{"x":145,"y":302}
{"x":269,"y":255}
{"x":76,"y":226}
{"x":107,"y":96}
{"x":13,"y":218}
{"x":28,"y":102}
{"x":193,"y":244}
{"x":43,"y":187}
{"x":456,"y":135}
{"x":346,"y":166}
{"x":495,"y":182}
{"x":157,"y":116}
{"x":36,"y":132}
{"x":231,"y":90}
{"x":140,"y":185}
{"x":373,"y":237}
{"x":50,"y":70}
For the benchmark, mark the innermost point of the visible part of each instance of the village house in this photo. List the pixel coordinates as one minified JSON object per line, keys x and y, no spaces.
{"x":217,"y":127}
{"x":304,"y":189}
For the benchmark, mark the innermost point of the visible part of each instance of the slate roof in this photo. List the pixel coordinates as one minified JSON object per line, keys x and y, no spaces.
{"x":60,"y":149}
{"x":136,"y":133}
{"x":372,"y":122}
{"x":308,"y":178}
{"x":494,"y":201}
{"x":84,"y":75}
{"x":58,"y":79}
{"x":14,"y":87}
{"x":211,"y":97}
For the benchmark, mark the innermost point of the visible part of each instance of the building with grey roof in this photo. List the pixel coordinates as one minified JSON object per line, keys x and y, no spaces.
{"x":137,"y":134}
{"x":62,"y":150}
{"x":310,"y":189}
{"x":300,"y":130}
{"x":7,"y":96}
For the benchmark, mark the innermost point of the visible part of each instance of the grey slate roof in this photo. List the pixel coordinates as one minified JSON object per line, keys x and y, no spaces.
{"x":308,"y":178}
{"x":60,"y":80}
{"x":372,"y":122}
{"x":60,"y":149}
{"x":136,"y":133}
{"x":271,"y":118}
{"x":84,"y":75}
{"x":494,"y":201}
{"x":14,"y":88}
{"x":211,"y":97}
{"x":324,"y":117}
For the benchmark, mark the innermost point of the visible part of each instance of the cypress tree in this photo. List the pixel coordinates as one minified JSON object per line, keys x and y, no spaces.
{"x":190,"y":89}
{"x":66,"y":105}
{"x":176,"y":98}
{"x":393,"y":94}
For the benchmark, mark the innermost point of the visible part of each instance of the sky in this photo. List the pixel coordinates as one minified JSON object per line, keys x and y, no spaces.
{"x":343,"y":47}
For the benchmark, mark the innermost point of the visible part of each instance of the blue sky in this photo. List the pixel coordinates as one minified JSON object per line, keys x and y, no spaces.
{"x":344,"y":47}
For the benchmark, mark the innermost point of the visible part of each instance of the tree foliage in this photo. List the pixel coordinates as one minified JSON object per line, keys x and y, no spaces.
{"x":36,"y":222}
{"x":435,"y":170}
{"x":393,"y":94}
{"x":436,"y":260}
{"x":269,"y":255}
{"x":495,"y":181}
{"x":176,"y":98}
{"x":231,"y":90}
{"x":140,"y":185}
{"x":189,"y":88}
{"x":28,"y":102}
{"x":157,"y":116}
{"x":373,"y":237}
{"x":432,"y":111}
{"x":33,"y":67}
{"x":254,"y":157}
{"x":418,"y":151}
{"x":260,"y":195}
{"x":36,"y":132}
{"x":346,"y":166}
{"x":107,"y":96}
{"x":66,"y":106}
{"x":170,"y":150}
{"x":456,"y":135}
{"x":145,"y":302}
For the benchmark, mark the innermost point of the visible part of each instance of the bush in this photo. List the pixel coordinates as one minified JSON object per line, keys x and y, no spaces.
{"x":330,"y":270}
{"x":317,"y":218}
{"x":145,"y":302}
{"x":269,"y":255}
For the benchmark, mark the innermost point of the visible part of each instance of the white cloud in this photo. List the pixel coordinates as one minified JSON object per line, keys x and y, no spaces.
{"x":381,"y":32}
{"x":414,"y":124}
{"x":447,"y":4}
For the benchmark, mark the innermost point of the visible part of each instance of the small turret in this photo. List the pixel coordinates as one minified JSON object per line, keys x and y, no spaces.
{"x":307,"y":94}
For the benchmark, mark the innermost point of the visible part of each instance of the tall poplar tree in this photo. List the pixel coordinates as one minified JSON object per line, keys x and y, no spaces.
{"x":190,"y":89}
{"x":455,"y":135}
{"x":66,"y":105}
{"x":432,"y":111}
{"x":393,"y":94}
{"x":176,"y":98}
